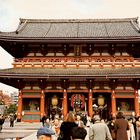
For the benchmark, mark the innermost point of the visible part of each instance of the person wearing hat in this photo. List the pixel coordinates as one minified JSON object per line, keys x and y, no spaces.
{"x":99,"y":130}
{"x":45,"y":133}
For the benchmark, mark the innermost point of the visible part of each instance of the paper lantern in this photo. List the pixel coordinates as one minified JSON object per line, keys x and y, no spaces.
{"x":101,"y":101}
{"x":54,"y":101}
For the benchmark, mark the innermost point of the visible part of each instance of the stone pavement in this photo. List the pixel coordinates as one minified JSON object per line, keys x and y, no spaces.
{"x":20,"y":130}
{"x":33,"y":136}
{"x":30,"y":137}
{"x":24,"y":131}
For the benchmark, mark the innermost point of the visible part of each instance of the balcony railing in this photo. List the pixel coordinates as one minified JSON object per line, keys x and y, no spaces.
{"x":77,"y":61}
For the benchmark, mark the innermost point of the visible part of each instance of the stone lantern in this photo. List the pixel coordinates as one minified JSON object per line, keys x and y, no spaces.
{"x":54,"y":101}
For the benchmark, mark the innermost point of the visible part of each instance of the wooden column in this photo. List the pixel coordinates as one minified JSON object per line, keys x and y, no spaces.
{"x":90,"y":110}
{"x":19,"y":112}
{"x":65,"y":103}
{"x":136,"y":103}
{"x":113,"y":102}
{"x":42,"y":103}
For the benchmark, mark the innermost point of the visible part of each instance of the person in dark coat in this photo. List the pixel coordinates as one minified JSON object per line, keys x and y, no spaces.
{"x":112,"y":128}
{"x":78,"y":133}
{"x":84,"y":119}
{"x":121,"y":127}
{"x":1,"y":122}
{"x":43,"y":120}
{"x":66,"y":127}
{"x":12,"y":119}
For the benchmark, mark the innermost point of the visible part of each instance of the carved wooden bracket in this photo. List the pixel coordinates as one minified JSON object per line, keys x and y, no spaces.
{"x":136,"y":83}
{"x":44,"y":49}
{"x":90,"y":83}
{"x":90,"y":49}
{"x":42,"y":83}
{"x":66,"y":49}
{"x":113,"y":83}
{"x":111,"y":49}
{"x":65,"y":83}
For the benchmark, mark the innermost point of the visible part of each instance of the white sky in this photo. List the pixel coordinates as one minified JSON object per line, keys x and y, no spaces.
{"x":12,"y":10}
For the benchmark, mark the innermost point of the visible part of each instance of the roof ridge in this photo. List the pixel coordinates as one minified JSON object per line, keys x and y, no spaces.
{"x":78,"y":20}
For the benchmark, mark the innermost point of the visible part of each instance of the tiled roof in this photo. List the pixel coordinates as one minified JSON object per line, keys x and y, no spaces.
{"x":76,"y":28}
{"x":71,"y":72}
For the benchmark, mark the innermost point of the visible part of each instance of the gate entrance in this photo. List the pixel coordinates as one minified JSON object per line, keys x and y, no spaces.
{"x":102,"y":104}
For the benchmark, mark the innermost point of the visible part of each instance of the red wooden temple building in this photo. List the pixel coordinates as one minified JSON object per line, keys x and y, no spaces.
{"x":74,"y":65}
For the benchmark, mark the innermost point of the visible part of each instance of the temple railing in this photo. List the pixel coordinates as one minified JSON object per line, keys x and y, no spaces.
{"x":76,"y":59}
{"x":72,"y":62}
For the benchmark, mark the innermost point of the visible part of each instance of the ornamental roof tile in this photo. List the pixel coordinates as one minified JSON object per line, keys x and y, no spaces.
{"x":76,"y":28}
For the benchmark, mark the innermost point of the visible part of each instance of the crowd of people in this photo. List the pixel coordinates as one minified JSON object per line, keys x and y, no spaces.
{"x":11,"y":118}
{"x":70,"y":129}
{"x":76,"y":127}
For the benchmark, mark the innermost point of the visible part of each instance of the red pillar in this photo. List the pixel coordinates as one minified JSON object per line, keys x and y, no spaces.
{"x":90,"y":110}
{"x":65,"y":103}
{"x":42,"y":102}
{"x":113,"y":101}
{"x":136,"y":103}
{"x":19,"y":112}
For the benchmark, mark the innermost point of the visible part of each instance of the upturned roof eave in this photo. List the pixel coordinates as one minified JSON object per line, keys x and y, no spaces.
{"x":48,"y":76}
{"x":69,"y":39}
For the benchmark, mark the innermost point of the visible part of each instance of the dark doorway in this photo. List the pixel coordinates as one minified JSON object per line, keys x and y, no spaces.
{"x":53,"y":104}
{"x":102,"y":104}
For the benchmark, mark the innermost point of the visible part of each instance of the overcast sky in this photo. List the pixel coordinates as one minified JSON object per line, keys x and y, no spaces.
{"x":12,"y":10}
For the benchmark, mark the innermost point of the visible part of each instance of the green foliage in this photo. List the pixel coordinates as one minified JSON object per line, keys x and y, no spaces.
{"x":12,"y":109}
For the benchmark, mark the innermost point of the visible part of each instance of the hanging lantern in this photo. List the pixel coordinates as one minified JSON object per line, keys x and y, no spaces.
{"x":101,"y":101}
{"x":54,"y":101}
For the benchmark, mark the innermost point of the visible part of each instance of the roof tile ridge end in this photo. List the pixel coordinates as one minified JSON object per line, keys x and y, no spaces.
{"x":135,"y":25}
{"x":21,"y":26}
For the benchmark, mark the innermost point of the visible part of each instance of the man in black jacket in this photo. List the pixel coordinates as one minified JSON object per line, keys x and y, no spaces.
{"x":78,"y":133}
